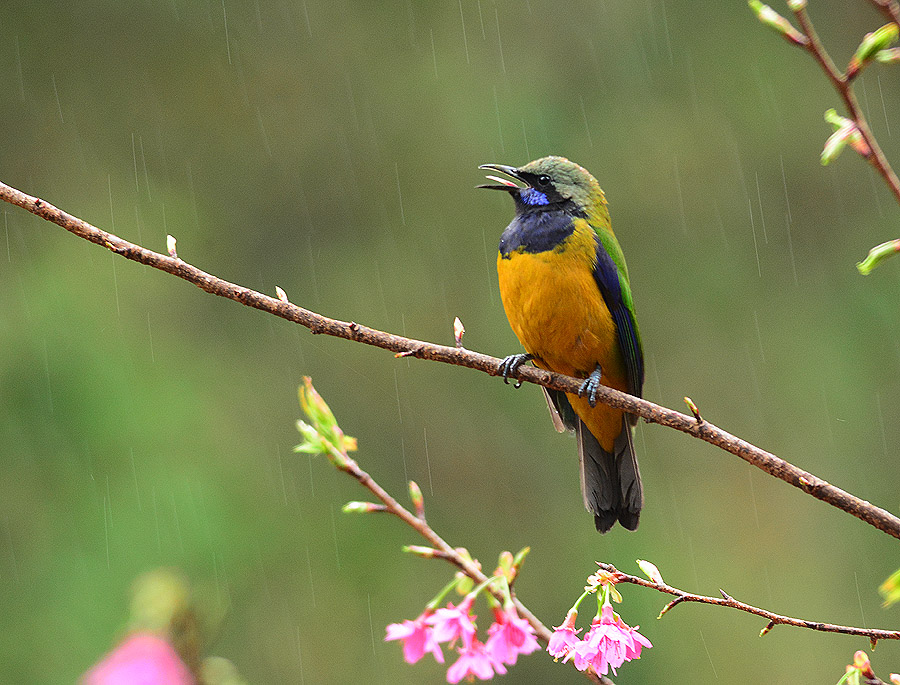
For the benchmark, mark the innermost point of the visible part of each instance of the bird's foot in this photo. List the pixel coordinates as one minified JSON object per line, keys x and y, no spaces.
{"x":590,"y":386}
{"x":511,"y":363}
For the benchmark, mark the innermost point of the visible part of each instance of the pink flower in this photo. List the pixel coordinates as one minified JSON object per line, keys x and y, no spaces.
{"x":564,"y":637}
{"x":452,"y":622}
{"x":474,"y":660}
{"x":608,"y":644}
{"x":141,"y":659}
{"x":417,"y":638}
{"x":509,"y":637}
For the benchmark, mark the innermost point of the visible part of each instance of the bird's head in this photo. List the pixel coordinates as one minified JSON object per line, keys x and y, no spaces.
{"x":551,"y":183}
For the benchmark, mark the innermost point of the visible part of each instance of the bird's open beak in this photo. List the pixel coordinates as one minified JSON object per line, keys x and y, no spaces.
{"x":502,"y":183}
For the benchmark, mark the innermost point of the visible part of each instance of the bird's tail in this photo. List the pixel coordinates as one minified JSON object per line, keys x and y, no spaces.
{"x":610,"y":481}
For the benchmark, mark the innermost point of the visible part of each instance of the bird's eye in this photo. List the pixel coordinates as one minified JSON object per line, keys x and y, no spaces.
{"x":544,"y":180}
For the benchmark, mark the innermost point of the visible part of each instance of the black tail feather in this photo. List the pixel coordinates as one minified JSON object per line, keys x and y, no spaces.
{"x":610,"y":481}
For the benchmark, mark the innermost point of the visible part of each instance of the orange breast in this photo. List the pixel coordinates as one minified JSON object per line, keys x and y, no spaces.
{"x":558,"y":314}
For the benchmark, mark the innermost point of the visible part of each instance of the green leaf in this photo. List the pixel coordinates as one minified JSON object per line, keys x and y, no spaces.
{"x":877,"y":255}
{"x":879,"y":39}
{"x":890,"y":589}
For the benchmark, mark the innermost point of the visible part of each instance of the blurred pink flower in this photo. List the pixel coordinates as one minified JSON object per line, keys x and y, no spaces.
{"x":608,"y":644}
{"x":474,"y":660}
{"x":452,"y":622}
{"x":509,"y":637}
{"x":417,"y":638}
{"x":141,"y":659}
{"x":564,"y":637}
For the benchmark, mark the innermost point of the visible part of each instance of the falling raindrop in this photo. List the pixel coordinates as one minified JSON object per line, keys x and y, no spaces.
{"x":371,"y":623}
{"x":500,"y":46}
{"x":587,"y":128}
{"x":337,"y":555}
{"x":762,"y":218}
{"x":227,"y":42}
{"x":708,"y":655}
{"x":465,"y":40}
{"x":428,"y":460}
{"x":884,"y":108}
{"x":755,"y":245}
{"x":56,"y":94}
{"x":137,"y":490}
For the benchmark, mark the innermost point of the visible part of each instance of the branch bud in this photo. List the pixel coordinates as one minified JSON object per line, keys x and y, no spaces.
{"x":419,"y":551}
{"x":415,"y":494}
{"x":170,"y":246}
{"x":861,"y":662}
{"x":877,"y":255}
{"x":880,"y":39}
{"x":888,"y":56}
{"x":772,"y":19}
{"x":362,"y":507}
{"x":458,"y":331}
{"x":693,"y":407}
{"x":651,"y":571}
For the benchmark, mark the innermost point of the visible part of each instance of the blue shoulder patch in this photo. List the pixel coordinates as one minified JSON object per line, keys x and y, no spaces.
{"x":606,"y":275}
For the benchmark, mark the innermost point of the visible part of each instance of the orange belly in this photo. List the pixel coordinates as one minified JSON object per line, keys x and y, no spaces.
{"x":558,"y":314}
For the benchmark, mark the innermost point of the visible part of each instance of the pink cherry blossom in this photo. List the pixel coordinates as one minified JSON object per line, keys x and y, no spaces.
{"x":564,"y":637}
{"x":417,"y":638}
{"x":474,"y":660}
{"x":452,"y":622}
{"x":509,"y":637}
{"x":608,"y":644}
{"x":141,"y":659}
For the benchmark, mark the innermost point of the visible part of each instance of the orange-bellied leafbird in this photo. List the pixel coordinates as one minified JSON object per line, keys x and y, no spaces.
{"x":564,"y":286}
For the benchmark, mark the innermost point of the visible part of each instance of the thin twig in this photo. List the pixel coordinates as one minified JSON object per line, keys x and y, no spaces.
{"x":843,"y":84}
{"x":653,"y":413}
{"x":728,"y":601}
{"x":445,"y":551}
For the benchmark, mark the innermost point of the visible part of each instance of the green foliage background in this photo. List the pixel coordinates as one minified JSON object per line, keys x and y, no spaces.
{"x":331,"y":148}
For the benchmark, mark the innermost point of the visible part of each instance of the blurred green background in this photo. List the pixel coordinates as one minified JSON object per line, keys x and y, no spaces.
{"x":331,"y":148}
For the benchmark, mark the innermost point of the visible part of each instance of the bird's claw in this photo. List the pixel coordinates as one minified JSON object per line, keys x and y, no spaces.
{"x":590,"y":387}
{"x":511,"y":363}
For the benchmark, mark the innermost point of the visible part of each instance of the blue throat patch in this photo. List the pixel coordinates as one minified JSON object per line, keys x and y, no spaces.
{"x":530,"y":196}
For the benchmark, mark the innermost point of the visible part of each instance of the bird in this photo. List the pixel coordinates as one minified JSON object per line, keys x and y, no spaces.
{"x":565,"y":289}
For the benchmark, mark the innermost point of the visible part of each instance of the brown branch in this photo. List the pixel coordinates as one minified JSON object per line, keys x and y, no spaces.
{"x":459,"y":356}
{"x":726,"y":601}
{"x":843,"y":84}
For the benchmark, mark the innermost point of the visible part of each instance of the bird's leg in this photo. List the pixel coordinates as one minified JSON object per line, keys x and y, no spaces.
{"x":590,"y":386}
{"x":511,"y":363}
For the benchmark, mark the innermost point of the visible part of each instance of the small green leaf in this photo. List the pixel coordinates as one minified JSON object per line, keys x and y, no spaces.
{"x":890,"y":589}
{"x":877,"y":255}
{"x":888,"y":56}
{"x":614,"y":594}
{"x":879,"y":39}
{"x":773,"y":20}
{"x":651,"y":571}
{"x":362,"y":507}
{"x":836,"y":143}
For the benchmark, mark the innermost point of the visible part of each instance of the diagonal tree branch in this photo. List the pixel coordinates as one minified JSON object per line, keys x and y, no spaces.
{"x":459,"y":356}
{"x":726,"y":601}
